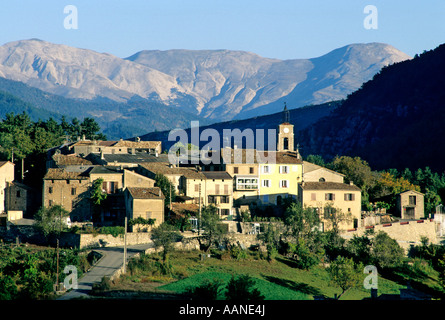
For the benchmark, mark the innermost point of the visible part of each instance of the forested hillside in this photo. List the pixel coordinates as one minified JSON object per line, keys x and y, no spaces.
{"x":395,"y":120}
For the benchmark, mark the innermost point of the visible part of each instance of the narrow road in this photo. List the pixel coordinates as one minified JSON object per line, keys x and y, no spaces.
{"x":111,"y":262}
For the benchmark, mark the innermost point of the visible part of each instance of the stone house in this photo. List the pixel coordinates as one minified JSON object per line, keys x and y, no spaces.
{"x":6,"y":177}
{"x":71,"y":189}
{"x":215,"y":187}
{"x":329,"y":198}
{"x":410,"y":205}
{"x":316,"y":173}
{"x":147,"y":203}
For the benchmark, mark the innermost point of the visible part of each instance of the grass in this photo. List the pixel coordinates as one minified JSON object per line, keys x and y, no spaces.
{"x":277,"y":280}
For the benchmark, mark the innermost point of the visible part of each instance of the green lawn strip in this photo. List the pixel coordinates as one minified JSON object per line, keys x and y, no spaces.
{"x":271,"y":291}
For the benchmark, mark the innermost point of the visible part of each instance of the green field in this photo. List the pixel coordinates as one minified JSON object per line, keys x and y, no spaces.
{"x":277,"y":280}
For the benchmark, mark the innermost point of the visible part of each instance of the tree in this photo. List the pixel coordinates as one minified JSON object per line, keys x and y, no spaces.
{"x":167,"y":188}
{"x":242,"y":288}
{"x":271,"y":238}
{"x":386,"y":252}
{"x":210,"y":223}
{"x":345,"y":274}
{"x":97,"y":194}
{"x":334,"y":217}
{"x":316,"y":159}
{"x":51,"y":220}
{"x":300,"y":222}
{"x":164,"y":236}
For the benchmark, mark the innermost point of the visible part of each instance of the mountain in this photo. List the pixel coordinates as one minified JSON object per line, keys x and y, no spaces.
{"x":396,"y":120}
{"x":301,"y":118}
{"x":219,"y":85}
{"x":117,"y":119}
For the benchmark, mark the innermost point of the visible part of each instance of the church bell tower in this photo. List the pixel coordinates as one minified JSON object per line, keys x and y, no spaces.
{"x":285,"y":133}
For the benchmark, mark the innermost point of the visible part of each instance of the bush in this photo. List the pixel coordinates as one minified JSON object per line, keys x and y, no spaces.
{"x":103,"y":285}
{"x":114,"y":231}
{"x":237,"y":253}
{"x":242,"y":288}
{"x":208,"y":290}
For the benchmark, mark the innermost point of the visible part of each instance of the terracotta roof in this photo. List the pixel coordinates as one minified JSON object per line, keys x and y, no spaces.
{"x":257,"y":156}
{"x":309,"y":167}
{"x":165,"y":169}
{"x":329,"y":186}
{"x":137,"y":144}
{"x":217,"y":175}
{"x":181,"y":208}
{"x":65,"y":160}
{"x":2,"y":163}
{"x":145,"y":193}
{"x":62,"y":174}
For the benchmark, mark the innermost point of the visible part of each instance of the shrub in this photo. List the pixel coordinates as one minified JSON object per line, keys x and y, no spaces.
{"x":242,"y":288}
{"x":208,"y":290}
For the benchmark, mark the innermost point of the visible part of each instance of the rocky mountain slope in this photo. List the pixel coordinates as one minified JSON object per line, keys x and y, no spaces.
{"x":215,"y":84}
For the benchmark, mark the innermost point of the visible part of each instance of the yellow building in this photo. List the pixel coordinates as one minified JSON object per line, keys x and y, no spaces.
{"x":330,"y":198}
{"x":280,"y":179}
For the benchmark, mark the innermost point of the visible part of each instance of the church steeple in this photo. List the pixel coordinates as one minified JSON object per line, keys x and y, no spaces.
{"x":286,"y":114}
{"x":285,"y":133}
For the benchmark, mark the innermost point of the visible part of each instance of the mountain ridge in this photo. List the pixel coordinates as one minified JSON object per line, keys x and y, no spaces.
{"x":219,"y":85}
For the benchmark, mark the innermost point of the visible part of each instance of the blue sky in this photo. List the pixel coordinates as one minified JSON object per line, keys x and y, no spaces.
{"x":284,"y":29}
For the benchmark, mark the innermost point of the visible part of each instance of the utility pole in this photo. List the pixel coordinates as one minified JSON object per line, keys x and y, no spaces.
{"x":125,"y":246}
{"x":57,"y":268}
{"x":199,"y":219}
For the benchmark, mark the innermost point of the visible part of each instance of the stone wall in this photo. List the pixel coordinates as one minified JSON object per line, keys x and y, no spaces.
{"x":407,"y":233}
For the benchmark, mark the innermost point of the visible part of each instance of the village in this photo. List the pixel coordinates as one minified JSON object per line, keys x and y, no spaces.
{"x":236,"y":186}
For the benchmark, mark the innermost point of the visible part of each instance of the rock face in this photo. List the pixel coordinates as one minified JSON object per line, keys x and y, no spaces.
{"x":216,"y":84}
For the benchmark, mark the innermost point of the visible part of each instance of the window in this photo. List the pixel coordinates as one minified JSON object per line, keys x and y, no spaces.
{"x":284,"y":169}
{"x":73,"y":191}
{"x":212,"y":199}
{"x":196,"y":187}
{"x":266,"y":183}
{"x":18,"y":193}
{"x":284,"y":183}
{"x":217,"y":188}
{"x":225,"y":199}
{"x":322,"y":180}
{"x":313,"y":196}
{"x":235,"y":169}
{"x":50,"y":203}
{"x":251,"y":170}
{"x":226,"y":189}
{"x":329,"y":197}
{"x":50,"y":190}
{"x":225,"y":212}
{"x":412,"y":200}
{"x":148,"y":215}
{"x":286,"y":143}
{"x":246,"y":183}
{"x":266,"y":169}
{"x":328,"y":212}
{"x":349,"y":197}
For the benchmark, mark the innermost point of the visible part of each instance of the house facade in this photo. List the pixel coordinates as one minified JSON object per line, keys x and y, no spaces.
{"x":410,"y":205}
{"x":147,"y":203}
{"x":6,"y":177}
{"x":333,"y":199}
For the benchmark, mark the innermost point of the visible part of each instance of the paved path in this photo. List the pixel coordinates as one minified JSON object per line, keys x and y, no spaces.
{"x":111,"y":262}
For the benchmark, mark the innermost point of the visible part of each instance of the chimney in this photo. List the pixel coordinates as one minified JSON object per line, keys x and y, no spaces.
{"x":351,"y":183}
{"x":102,"y":155}
{"x":137,"y":139}
{"x":83,"y":137}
